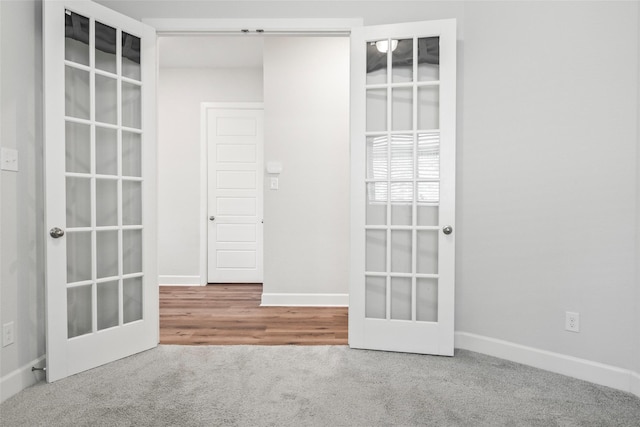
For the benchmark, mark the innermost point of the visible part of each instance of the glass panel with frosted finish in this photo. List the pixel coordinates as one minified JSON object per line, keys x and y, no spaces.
{"x":132,"y":299}
{"x":401,"y":203}
{"x":427,"y":300}
{"x":376,"y":64}
{"x":76,"y":93}
{"x":401,"y":298}
{"x":429,"y":59}
{"x":375,"y":297}
{"x":376,"y":110}
{"x":402,"y":60}
{"x":131,"y":56}
{"x":402,"y":157}
{"x":107,"y":253}
{"x":131,"y":203}
{"x":105,"y":47}
{"x":377,"y":164}
{"x":77,"y":147}
{"x":131,"y":154}
{"x":131,"y":251}
{"x":78,"y":191}
{"x":76,"y":38}
{"x":427,"y":256}
{"x":79,"y":304}
{"x":131,"y":105}
{"x":106,"y":100}
{"x":428,"y":193}
{"x":402,"y":108}
{"x":429,"y":155}
{"x":376,"y":211}
{"x":429,"y":107}
{"x":78,"y":256}
{"x":106,"y":151}
{"x":401,"y":251}
{"x":376,"y":251}
{"x":427,"y":214}
{"x":106,"y":202}
{"x":108,"y":305}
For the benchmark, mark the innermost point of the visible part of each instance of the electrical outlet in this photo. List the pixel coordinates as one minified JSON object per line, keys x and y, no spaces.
{"x":572,"y":321}
{"x":8,"y":334}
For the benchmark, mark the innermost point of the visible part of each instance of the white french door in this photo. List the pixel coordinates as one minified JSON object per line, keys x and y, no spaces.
{"x":100,"y":159}
{"x":235,"y":193}
{"x":403,"y":90}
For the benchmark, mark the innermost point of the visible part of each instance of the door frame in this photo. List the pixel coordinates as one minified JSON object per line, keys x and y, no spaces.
{"x":204,"y":176}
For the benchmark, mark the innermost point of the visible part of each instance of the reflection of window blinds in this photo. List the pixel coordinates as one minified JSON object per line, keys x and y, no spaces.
{"x":401,"y":167}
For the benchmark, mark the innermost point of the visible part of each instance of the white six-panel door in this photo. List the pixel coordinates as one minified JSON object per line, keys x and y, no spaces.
{"x":403,"y":91}
{"x":101,"y":272}
{"x":235,"y":194}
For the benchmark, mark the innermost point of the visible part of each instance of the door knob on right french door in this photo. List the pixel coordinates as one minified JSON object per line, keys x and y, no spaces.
{"x":447,"y":229}
{"x":56,"y":232}
{"x":212,"y":218}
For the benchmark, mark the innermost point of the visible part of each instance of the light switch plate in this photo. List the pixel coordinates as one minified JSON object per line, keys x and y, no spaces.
{"x":273,"y":183}
{"x":9,"y":159}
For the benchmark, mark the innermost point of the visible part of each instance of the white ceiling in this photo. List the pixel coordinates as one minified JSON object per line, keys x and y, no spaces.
{"x":211,"y":51}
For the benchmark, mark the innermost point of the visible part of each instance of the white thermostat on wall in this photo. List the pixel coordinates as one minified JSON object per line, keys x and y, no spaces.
{"x":274,"y":167}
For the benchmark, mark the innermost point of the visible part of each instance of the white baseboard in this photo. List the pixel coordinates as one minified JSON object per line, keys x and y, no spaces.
{"x":595,"y":372}
{"x":16,"y":381}
{"x":179,"y":280}
{"x":312,"y":300}
{"x":635,"y":383}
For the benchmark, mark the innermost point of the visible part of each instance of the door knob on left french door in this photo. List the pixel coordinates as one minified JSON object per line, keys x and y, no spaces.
{"x":212,"y":218}
{"x":447,"y":229}
{"x":56,"y":232}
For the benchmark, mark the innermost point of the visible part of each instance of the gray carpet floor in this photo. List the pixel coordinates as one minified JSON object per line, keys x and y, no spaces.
{"x":316,"y":386}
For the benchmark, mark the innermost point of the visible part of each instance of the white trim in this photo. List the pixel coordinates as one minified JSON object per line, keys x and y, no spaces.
{"x":16,"y":381}
{"x":171,"y":26}
{"x":635,"y":383}
{"x":583,"y":369}
{"x":304,"y":300}
{"x":168,"y":280}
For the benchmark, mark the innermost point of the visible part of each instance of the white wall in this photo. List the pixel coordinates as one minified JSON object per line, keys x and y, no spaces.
{"x":22,"y":281}
{"x":306,"y":224}
{"x":180,"y":93}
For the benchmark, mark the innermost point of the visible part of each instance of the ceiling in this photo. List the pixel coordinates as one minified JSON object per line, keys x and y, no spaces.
{"x":243,"y":51}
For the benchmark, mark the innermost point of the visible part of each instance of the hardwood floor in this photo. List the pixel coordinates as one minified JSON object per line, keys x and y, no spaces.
{"x":231,"y":315}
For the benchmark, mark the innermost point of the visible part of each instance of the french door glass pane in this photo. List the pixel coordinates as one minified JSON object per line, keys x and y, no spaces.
{"x":401,"y":251}
{"x":427,"y":300}
{"x":376,"y":211}
{"x":401,"y":203}
{"x":402,"y":108}
{"x":427,"y":252}
{"x":131,"y":203}
{"x":429,"y":155}
{"x":107,"y":253}
{"x":428,"y":107}
{"x":106,"y":151}
{"x":131,"y":154}
{"x":429,"y":59}
{"x":131,"y":56}
{"x":131,"y":251}
{"x":376,"y":110}
{"x":376,"y":251}
{"x":401,"y":298}
{"x":77,"y":147}
{"x":77,"y":94}
{"x":105,"y":43}
{"x":376,"y":63}
{"x":76,"y":38}
{"x":377,"y":157}
{"x":106,"y":202}
{"x":402,"y":60}
{"x":427,"y":214}
{"x":79,"y":318}
{"x":78,"y":256}
{"x":106,"y":100}
{"x":108,"y":304}
{"x":375,"y":297}
{"x":131,"y":105}
{"x":78,"y":196}
{"x":132,"y":296}
{"x":402,"y":158}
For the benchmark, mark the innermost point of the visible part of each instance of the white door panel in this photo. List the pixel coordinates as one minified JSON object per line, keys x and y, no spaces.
{"x":235,"y":186}
{"x":403,"y":86}
{"x":101,"y":270}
